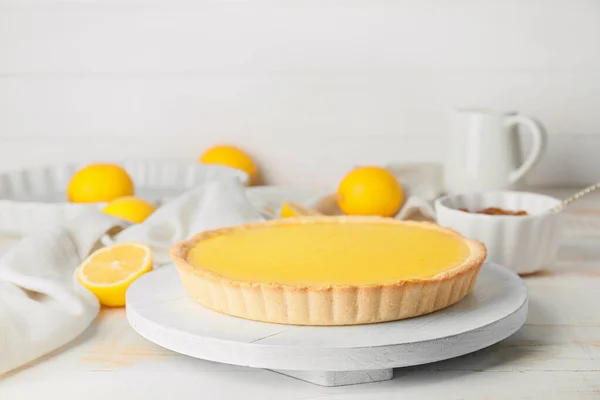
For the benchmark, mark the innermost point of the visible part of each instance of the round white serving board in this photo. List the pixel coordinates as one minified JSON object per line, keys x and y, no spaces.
{"x":160,"y":310}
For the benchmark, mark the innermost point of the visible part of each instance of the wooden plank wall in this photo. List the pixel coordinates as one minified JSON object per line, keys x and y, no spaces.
{"x":309,"y":87}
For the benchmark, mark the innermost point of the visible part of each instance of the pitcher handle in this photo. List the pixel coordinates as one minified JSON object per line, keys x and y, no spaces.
{"x":537,"y":149}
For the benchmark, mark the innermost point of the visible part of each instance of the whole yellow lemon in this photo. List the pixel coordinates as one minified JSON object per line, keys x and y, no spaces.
{"x":130,"y":208}
{"x":99,"y":183}
{"x":231,"y":156}
{"x":370,"y":191}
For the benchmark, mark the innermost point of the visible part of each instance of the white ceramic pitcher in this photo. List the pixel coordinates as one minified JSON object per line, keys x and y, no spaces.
{"x":483,"y":151}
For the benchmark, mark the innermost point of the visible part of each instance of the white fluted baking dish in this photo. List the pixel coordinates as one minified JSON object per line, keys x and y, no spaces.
{"x":32,"y":199}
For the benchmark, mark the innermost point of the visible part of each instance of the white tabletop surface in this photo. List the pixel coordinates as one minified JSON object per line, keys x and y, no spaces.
{"x":555,"y":355}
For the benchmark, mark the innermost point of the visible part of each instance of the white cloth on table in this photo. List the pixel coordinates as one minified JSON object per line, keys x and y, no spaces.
{"x":43,"y":306}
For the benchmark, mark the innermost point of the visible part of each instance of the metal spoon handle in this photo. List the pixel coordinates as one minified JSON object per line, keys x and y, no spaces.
{"x":576,"y":196}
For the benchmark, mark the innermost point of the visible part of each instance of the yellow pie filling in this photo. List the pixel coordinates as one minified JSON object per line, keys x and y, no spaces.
{"x":330,"y":253}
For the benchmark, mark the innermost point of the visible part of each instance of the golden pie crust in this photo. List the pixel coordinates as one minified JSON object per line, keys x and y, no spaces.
{"x":327,"y":304}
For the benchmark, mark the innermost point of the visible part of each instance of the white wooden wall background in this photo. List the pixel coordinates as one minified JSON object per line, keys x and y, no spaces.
{"x":310,"y":87}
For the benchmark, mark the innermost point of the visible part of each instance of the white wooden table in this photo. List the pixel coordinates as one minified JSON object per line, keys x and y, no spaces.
{"x":555,"y":355}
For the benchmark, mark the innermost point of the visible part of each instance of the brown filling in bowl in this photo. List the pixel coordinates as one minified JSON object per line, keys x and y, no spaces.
{"x":496,"y":211}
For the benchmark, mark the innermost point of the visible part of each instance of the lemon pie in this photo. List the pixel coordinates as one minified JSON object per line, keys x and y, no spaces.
{"x":328,"y":270}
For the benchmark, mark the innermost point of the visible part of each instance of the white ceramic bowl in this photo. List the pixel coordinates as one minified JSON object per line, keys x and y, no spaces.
{"x":524,"y":244}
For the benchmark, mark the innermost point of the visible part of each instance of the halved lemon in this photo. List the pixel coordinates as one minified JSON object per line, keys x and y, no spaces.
{"x":291,"y":209}
{"x":109,"y":271}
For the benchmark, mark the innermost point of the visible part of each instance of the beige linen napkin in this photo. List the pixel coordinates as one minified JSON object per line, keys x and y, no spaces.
{"x":414,"y":208}
{"x":43,"y":307}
